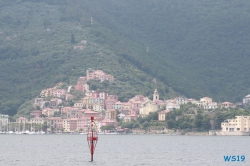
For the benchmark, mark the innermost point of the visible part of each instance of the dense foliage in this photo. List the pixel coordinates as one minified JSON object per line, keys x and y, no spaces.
{"x":195,"y":48}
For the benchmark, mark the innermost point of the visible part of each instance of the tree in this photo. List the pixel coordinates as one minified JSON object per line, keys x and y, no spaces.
{"x":171,"y":124}
{"x":73,"y":38}
{"x":145,"y":125}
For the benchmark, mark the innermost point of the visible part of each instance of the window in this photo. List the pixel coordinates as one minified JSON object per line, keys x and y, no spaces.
{"x":238,"y":129}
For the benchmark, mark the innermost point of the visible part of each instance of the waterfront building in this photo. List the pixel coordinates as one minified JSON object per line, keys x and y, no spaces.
{"x":37,"y":120}
{"x":55,"y":122}
{"x":240,"y":125}
{"x":4,"y":120}
{"x":22,"y":120}
{"x":82,"y":124}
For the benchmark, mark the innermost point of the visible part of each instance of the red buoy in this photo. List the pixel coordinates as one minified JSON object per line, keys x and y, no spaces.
{"x":92,"y":136}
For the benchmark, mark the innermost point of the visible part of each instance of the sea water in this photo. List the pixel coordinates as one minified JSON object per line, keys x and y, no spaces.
{"x":124,"y":150}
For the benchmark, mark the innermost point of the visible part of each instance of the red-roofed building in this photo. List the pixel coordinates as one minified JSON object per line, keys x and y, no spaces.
{"x":108,"y":122}
{"x":22,"y":120}
{"x":36,"y":114}
{"x":89,"y":113}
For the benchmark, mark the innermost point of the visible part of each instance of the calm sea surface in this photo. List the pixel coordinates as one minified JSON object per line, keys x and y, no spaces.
{"x":67,"y":150}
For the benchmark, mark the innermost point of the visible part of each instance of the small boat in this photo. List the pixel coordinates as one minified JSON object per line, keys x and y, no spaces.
{"x":2,"y":132}
{"x":32,"y":132}
{"x":26,"y":132}
{"x":10,"y":132}
{"x":83,"y":133}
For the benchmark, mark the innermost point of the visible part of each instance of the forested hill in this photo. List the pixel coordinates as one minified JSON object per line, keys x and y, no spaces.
{"x":197,"y":48}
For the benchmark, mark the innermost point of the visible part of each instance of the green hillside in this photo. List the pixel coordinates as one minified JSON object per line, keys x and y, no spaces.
{"x":37,"y":52}
{"x":195,"y":48}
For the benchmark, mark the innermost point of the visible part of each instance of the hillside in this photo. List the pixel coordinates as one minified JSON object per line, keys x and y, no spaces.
{"x":196,"y":48}
{"x":37,"y":52}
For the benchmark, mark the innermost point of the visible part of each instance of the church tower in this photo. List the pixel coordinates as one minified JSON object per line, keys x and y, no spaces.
{"x":155,"y":95}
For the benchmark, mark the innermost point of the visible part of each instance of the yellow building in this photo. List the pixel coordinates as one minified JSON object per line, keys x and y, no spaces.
{"x":147,"y":107}
{"x":162,"y":115}
{"x":239,"y":124}
{"x":111,"y":114}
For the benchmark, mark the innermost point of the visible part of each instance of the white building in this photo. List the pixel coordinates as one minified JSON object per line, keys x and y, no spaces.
{"x":4,"y":120}
{"x":246,"y":100}
{"x":181,"y":100}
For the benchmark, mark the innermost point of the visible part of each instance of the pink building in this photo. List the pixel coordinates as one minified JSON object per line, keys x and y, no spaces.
{"x":107,"y":122}
{"x":55,"y":122}
{"x":22,"y":120}
{"x":82,"y":124}
{"x":111,"y":114}
{"x":128,"y":118}
{"x":103,"y":95}
{"x":110,"y":101}
{"x":38,"y":120}
{"x":133,"y":112}
{"x":137,"y":98}
{"x":75,"y":113}
{"x":82,"y":81}
{"x":136,"y":105}
{"x":95,"y":95}
{"x":80,"y":87}
{"x":36,"y":114}
{"x":98,"y":74}
{"x":127,"y":106}
{"x":69,"y":97}
{"x":73,"y":124}
{"x":89,"y":113}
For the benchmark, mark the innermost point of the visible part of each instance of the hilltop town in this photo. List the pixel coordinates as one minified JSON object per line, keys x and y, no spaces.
{"x":59,"y":109}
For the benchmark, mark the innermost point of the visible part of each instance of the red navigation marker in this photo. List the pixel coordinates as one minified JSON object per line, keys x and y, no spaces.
{"x":92,"y":136}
